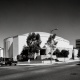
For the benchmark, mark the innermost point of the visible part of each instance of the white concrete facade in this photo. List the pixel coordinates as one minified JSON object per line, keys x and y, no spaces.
{"x":8,"y":47}
{"x":13,"y":46}
{"x":1,"y":52}
{"x":75,"y":53}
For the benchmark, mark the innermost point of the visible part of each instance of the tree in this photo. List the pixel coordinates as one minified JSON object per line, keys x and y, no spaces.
{"x":51,"y":37}
{"x":24,"y":54}
{"x":33,"y":41}
{"x":52,"y":43}
{"x":64,"y":54}
{"x":57,"y":53}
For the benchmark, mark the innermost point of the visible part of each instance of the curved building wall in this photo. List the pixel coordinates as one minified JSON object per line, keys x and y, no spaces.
{"x":22,"y":43}
{"x":8,"y":47}
{"x":14,"y":46}
{"x":1,"y":52}
{"x":44,"y":37}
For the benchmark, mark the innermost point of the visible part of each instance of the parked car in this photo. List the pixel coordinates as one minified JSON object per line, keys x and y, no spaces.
{"x":8,"y":61}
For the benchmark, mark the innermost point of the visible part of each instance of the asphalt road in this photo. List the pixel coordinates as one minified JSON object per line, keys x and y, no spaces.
{"x":51,"y":72}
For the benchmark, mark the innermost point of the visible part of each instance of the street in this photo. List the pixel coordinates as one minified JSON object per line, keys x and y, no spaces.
{"x":49,"y":72}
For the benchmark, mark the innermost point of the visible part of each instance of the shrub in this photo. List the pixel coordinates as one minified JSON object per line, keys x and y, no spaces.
{"x":64,"y":53}
{"x":57,"y":52}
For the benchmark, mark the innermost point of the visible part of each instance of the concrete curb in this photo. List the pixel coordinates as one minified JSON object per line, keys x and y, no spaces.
{"x":42,"y":64}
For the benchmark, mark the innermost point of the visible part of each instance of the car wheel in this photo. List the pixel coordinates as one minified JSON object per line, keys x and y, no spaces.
{"x":14,"y":64}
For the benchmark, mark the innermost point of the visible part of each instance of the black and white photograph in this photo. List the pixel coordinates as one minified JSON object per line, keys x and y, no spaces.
{"x":39,"y":40}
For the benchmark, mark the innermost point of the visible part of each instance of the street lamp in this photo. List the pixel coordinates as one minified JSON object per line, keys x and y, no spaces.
{"x":53,"y":30}
{"x":51,"y":41}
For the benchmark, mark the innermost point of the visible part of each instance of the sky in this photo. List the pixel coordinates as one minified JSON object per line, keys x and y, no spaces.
{"x":24,"y":16}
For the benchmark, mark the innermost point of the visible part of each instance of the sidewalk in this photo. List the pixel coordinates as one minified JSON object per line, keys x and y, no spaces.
{"x":48,"y":62}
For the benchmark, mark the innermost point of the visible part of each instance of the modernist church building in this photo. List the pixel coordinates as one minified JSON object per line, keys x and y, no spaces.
{"x":13,"y":46}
